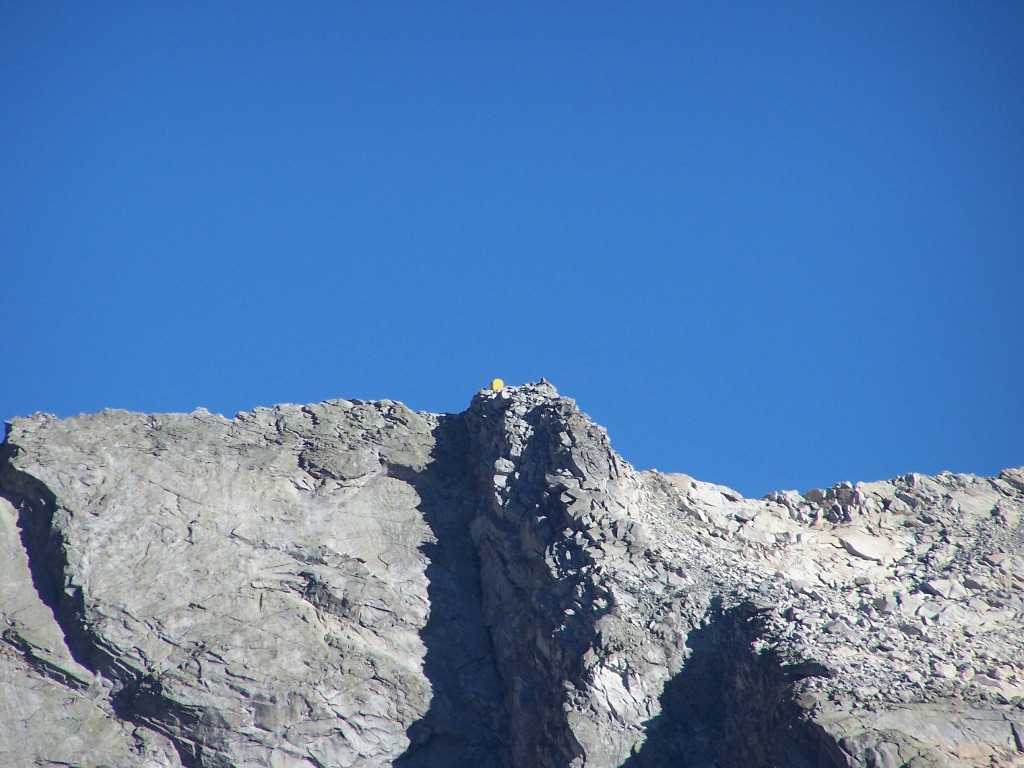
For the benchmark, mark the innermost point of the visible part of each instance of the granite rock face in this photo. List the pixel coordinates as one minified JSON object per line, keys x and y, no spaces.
{"x":354,"y":584}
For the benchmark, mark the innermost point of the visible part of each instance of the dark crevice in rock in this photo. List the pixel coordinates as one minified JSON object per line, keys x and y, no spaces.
{"x":35,"y":505}
{"x":729,"y":706}
{"x":135,"y":699}
{"x":467,"y":723}
{"x":45,"y":668}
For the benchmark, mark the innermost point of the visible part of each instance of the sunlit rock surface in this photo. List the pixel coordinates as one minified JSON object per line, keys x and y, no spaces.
{"x":355,"y":584}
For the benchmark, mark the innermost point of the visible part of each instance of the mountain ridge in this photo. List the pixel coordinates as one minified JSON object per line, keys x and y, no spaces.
{"x":351,"y":583}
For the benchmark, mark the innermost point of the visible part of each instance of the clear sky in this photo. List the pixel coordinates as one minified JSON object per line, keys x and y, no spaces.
{"x":770,"y":245}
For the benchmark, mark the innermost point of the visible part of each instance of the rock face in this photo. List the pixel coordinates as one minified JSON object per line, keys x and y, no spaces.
{"x":355,"y":584}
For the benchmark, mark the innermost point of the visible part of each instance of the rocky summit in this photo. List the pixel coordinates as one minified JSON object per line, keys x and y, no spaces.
{"x":354,"y":584}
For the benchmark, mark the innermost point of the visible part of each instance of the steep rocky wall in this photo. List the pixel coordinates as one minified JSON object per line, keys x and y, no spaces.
{"x":256,"y":591}
{"x":354,"y":584}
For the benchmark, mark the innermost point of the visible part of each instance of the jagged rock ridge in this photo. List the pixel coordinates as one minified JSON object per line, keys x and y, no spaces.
{"x":354,"y":584}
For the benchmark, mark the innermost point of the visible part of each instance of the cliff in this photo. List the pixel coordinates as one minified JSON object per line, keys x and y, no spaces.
{"x":353,"y":584}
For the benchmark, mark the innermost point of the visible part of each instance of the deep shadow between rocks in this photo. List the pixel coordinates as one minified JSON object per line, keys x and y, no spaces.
{"x":466,"y":724}
{"x":729,"y":707}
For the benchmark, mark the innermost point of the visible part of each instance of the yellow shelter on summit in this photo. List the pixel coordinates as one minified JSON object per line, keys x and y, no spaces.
{"x":497,"y":384}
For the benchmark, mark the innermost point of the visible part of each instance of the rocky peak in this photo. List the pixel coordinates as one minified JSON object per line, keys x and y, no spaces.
{"x":350,"y":583}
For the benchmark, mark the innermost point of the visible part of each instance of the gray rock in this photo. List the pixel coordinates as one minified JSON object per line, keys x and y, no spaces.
{"x":948,"y":588}
{"x":867,"y":547}
{"x":354,"y":584}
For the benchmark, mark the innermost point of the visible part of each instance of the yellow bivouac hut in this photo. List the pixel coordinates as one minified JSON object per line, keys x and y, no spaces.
{"x":497,"y":384}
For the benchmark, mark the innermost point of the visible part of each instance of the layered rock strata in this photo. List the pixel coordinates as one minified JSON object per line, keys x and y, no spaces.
{"x":354,"y":584}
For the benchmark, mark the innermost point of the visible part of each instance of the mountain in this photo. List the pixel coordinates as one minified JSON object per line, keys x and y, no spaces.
{"x":351,"y":583}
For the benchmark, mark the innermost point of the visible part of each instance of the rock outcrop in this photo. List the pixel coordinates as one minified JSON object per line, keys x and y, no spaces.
{"x":353,"y":584}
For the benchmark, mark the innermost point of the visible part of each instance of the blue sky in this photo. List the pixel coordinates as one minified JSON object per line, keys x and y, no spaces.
{"x":771,"y":245}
